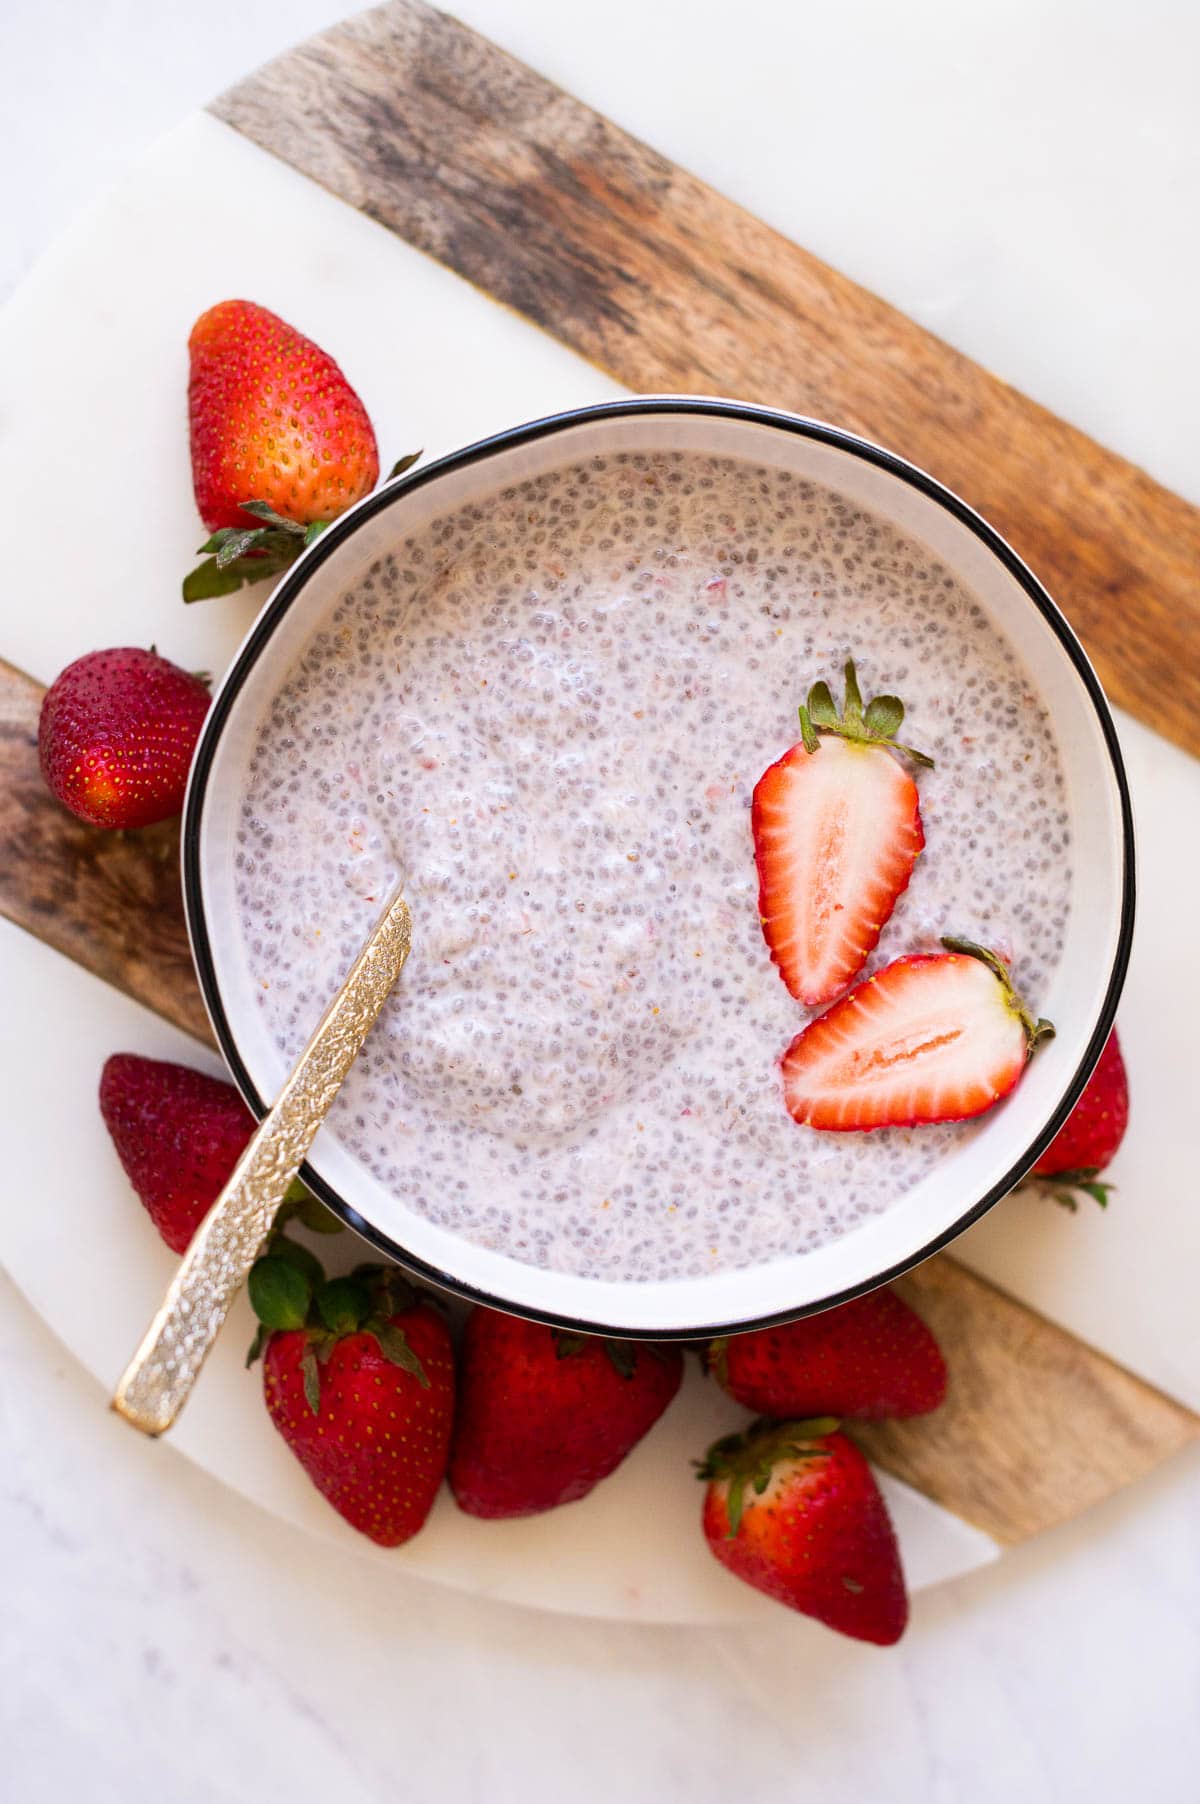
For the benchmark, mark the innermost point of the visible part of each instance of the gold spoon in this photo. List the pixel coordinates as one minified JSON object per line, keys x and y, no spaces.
{"x":158,"y":1380}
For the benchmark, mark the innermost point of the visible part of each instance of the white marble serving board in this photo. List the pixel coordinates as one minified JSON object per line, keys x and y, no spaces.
{"x":98,"y":333}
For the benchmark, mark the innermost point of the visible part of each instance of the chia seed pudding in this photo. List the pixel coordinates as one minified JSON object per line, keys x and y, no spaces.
{"x":546,"y":714}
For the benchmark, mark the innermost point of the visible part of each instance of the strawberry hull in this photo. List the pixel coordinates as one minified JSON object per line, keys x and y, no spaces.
{"x":376,"y":1446}
{"x":837,"y":831}
{"x":798,"y":1515}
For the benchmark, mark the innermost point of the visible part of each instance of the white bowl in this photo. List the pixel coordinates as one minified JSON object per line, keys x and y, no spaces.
{"x":1083,"y":994}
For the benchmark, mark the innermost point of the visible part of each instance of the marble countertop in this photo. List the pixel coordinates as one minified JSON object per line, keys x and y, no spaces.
{"x":1014,"y":175}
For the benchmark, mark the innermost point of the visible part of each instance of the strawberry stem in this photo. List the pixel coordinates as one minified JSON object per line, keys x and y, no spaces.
{"x":875,"y":724}
{"x":1086,"y":1179}
{"x":749,"y":1458}
{"x":1036,"y":1029}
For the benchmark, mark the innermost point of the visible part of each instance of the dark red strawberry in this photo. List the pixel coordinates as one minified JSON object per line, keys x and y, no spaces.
{"x":544,"y":1416}
{"x":178,"y":1133}
{"x":935,"y":1037}
{"x":870,"y":1359}
{"x":837,"y":830}
{"x":281,"y":444}
{"x":1092,"y":1132}
{"x":117,"y":733}
{"x":793,"y":1509}
{"x":358,"y":1375}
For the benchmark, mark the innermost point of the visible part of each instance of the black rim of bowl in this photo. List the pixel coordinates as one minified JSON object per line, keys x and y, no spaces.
{"x":289,"y":587}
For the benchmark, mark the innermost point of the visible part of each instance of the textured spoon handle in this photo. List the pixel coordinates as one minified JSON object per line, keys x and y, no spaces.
{"x":159,"y":1378}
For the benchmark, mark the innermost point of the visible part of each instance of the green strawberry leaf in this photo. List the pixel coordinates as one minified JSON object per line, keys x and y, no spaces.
{"x":254,"y":1350}
{"x":405,"y":463}
{"x":208,"y":580}
{"x":343,"y":1304}
{"x":316,"y":1217}
{"x":821,"y":706}
{"x":393,"y":1344}
{"x":853,"y":703}
{"x":314,"y":531}
{"x":311,"y":1374}
{"x":884,"y":716}
{"x":299,"y":1257}
{"x":1085,"y":1180}
{"x":622,"y":1356}
{"x":222,"y":536}
{"x":262,"y":510}
{"x":237,"y":545}
{"x":279,"y":1293}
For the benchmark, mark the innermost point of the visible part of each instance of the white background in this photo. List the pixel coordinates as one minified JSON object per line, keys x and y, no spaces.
{"x":1022,"y":178}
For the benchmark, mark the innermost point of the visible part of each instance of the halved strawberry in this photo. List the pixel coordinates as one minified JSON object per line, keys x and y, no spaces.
{"x":837,"y":830}
{"x":934,"y":1037}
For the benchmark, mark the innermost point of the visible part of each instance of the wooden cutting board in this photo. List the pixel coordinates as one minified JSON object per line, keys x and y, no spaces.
{"x":446,"y":140}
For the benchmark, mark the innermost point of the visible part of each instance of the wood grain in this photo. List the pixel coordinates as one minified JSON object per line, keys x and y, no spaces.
{"x":668,"y":286}
{"x":1037,"y":1426}
{"x":110,"y":901}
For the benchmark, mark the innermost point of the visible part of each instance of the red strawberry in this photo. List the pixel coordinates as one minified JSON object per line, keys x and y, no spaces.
{"x":281,"y":444}
{"x":1092,"y":1132}
{"x":793,"y":1509}
{"x":178,"y":1133}
{"x":837,"y":830}
{"x":272,"y":419}
{"x":871,"y":1358}
{"x":936,"y":1037}
{"x":116,"y":736}
{"x":543,"y":1416}
{"x":358,"y":1377}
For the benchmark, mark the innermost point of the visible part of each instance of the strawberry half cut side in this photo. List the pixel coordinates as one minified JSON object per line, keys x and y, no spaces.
{"x":837,"y":831}
{"x":932,"y":1037}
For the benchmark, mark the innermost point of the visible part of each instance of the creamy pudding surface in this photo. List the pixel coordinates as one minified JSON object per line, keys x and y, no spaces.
{"x":546,"y":715}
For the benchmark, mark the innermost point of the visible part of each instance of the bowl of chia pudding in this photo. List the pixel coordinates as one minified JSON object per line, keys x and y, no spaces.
{"x":536,"y":684}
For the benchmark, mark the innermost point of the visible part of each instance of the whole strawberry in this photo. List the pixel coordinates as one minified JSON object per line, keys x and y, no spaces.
{"x":1092,"y":1132}
{"x":871,"y":1358}
{"x":272,"y":419}
{"x":358,"y":1375}
{"x":116,"y":736}
{"x":178,"y":1133}
{"x":793,"y":1509}
{"x":544,"y":1416}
